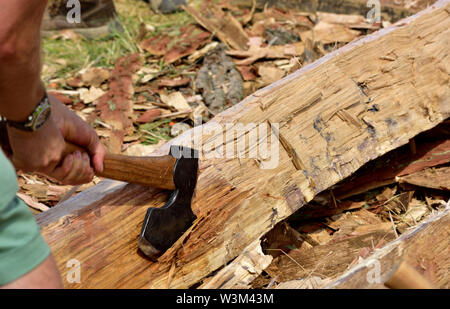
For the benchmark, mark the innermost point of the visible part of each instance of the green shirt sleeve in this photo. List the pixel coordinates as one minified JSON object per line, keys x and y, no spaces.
{"x":22,"y":247}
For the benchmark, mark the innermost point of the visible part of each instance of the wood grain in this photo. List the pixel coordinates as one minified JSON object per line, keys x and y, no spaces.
{"x":237,"y":201}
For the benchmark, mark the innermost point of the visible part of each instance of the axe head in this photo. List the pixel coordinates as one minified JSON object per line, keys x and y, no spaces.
{"x":162,"y":227}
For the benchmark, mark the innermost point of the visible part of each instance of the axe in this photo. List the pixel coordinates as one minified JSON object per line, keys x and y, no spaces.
{"x":176,"y":171}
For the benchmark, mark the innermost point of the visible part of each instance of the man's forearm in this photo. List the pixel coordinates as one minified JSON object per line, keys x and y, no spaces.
{"x":20,"y":59}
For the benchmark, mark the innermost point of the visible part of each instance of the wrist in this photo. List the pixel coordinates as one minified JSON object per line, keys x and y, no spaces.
{"x":45,"y":129}
{"x":36,"y":118}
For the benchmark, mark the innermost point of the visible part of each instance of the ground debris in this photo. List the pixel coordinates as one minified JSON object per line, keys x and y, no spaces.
{"x":175,"y":44}
{"x":219,"y":82}
{"x":345,"y":225}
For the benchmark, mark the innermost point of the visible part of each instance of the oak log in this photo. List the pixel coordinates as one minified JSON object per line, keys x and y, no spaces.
{"x":330,"y":118}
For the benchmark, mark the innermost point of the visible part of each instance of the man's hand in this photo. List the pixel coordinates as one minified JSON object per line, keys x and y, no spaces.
{"x":43,"y":151}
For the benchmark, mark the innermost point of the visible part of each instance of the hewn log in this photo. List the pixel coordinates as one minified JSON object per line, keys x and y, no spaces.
{"x":329,"y":118}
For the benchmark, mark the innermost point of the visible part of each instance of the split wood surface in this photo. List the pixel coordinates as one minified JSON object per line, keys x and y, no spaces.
{"x":330,"y":118}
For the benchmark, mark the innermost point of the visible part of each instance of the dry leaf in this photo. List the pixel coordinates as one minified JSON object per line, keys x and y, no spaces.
{"x":330,"y":33}
{"x":269,"y":75}
{"x":90,"y":95}
{"x":95,"y":77}
{"x":149,"y":116}
{"x":175,"y":100}
{"x":147,"y":74}
{"x":176,"y":82}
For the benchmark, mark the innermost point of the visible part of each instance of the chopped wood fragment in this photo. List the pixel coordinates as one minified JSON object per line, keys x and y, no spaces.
{"x":433,"y":178}
{"x":175,"y":100}
{"x":32,"y":202}
{"x":224,"y":26}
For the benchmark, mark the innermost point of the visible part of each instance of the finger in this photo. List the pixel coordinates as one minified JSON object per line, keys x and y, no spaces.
{"x":71,"y":177}
{"x":84,"y":172}
{"x":88,"y":170}
{"x":96,"y":150}
{"x":80,"y":133}
{"x":80,"y":172}
{"x":98,"y":153}
{"x":61,"y":172}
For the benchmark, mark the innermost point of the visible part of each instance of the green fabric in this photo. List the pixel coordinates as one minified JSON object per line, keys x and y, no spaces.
{"x":22,"y":247}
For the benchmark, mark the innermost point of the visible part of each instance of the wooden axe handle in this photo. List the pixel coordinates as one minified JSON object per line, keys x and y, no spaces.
{"x":150,"y":171}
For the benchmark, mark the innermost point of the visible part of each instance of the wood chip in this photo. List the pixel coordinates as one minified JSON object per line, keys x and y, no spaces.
{"x":227,"y":28}
{"x":269,"y":75}
{"x":176,"y":82}
{"x":95,"y":77}
{"x":32,"y":202}
{"x":330,"y":33}
{"x":202,"y":52}
{"x":433,"y":178}
{"x":342,"y":19}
